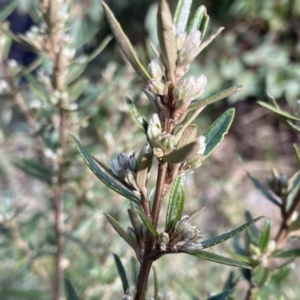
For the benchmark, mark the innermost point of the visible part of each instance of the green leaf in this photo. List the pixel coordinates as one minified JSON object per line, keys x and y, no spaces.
{"x":120,"y":230}
{"x":215,"y":133}
{"x":291,"y":253}
{"x":34,"y":168}
{"x":77,"y":89}
{"x":101,"y":175}
{"x":224,"y":237}
{"x":223,"y":296}
{"x":121,"y":272}
{"x":182,"y":154}
{"x":297,"y":151}
{"x":279,"y":112}
{"x":197,"y":19}
{"x":265,"y":236}
{"x":281,"y":275}
{"x":99,"y":49}
{"x":294,"y":183}
{"x":205,"y":43}
{"x":124,"y":43}
{"x":263,"y":190}
{"x":70,"y":291}
{"x":7,"y":10}
{"x":134,"y":270}
{"x":196,"y":104}
{"x":252,"y":231}
{"x":261,"y":276}
{"x":147,"y":222}
{"x":167,"y":39}
{"x":203,"y":25}
{"x":155,"y":281}
{"x":176,"y":203}
{"x":182,"y":14}
{"x":188,"y":136}
{"x":136,"y":116}
{"x":292,"y":126}
{"x":144,"y":164}
{"x":218,"y":259}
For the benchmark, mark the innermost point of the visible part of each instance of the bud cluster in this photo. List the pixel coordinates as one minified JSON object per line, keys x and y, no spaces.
{"x":278,"y":183}
{"x":183,"y":237}
{"x":160,"y":140}
{"x":196,"y":161}
{"x":125,"y":169}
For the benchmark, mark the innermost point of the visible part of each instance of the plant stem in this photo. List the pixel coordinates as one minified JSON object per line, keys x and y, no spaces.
{"x":149,"y":245}
{"x":283,"y":230}
{"x":58,"y":209}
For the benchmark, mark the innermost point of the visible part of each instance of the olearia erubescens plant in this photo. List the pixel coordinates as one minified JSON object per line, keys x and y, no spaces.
{"x":172,"y":142}
{"x":272,"y":252}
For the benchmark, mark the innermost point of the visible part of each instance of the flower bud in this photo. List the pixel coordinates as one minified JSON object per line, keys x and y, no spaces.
{"x":191,"y":246}
{"x":129,"y":178}
{"x":115,"y":167}
{"x":188,"y":53}
{"x":190,"y":88}
{"x":156,"y":86}
{"x":131,"y":291}
{"x":180,"y":40}
{"x":166,"y":296}
{"x":168,"y":141}
{"x":163,"y":241}
{"x":154,"y":128}
{"x":123,"y":160}
{"x":202,"y":145}
{"x":156,"y":69}
{"x":182,"y":224}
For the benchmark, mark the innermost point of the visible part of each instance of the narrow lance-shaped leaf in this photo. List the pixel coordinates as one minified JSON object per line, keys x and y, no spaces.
{"x":218,"y":259}
{"x":261,"y":276}
{"x":120,"y":230}
{"x":136,"y":116}
{"x":125,"y":44}
{"x":216,"y":97}
{"x":101,"y":175}
{"x":182,"y":15}
{"x":263,"y":190}
{"x":215,"y":133}
{"x":188,"y":136}
{"x":70,"y":291}
{"x":297,"y":151}
{"x":8,"y":9}
{"x":182,"y":154}
{"x":134,"y":270}
{"x":265,"y":236}
{"x":223,"y":296}
{"x":155,"y":281}
{"x":121,"y":272}
{"x":278,"y":111}
{"x":224,"y":237}
{"x":281,"y":275}
{"x":291,"y":253}
{"x":176,"y":203}
{"x":197,"y":19}
{"x":291,"y":125}
{"x":204,"y":44}
{"x":203,"y":25}
{"x":252,"y":231}
{"x":167,"y":39}
{"x":147,"y":222}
